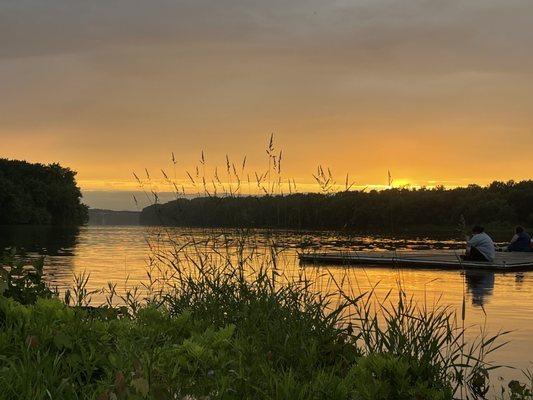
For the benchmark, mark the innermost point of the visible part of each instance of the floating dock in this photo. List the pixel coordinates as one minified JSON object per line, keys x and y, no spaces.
{"x":436,"y":259}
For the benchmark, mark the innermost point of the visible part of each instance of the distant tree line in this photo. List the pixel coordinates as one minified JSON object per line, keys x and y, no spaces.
{"x":111,"y":217}
{"x":39,"y":194}
{"x":397,"y":208}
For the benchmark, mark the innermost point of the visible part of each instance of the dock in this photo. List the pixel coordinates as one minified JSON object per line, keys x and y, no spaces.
{"x":435,"y":259}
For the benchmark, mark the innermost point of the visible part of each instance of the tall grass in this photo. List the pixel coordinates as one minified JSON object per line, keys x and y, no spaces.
{"x":433,"y":337}
{"x":221,"y":318}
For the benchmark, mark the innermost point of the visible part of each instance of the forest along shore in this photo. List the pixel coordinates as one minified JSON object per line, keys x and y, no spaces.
{"x":500,"y":205}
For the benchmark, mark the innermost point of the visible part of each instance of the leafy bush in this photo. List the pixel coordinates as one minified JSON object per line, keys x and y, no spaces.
{"x":385,"y":376}
{"x":21,"y":282}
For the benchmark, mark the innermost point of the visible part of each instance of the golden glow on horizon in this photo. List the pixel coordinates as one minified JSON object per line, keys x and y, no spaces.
{"x":158,"y":185}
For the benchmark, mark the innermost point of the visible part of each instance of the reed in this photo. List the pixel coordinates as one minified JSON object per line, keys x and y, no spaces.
{"x":221,"y":318}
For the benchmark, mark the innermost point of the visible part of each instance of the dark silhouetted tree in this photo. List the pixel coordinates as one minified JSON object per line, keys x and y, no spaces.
{"x":39,"y":194}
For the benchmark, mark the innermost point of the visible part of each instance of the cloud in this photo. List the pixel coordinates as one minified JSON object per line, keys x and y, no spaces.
{"x":382,"y":34}
{"x":112,"y":86}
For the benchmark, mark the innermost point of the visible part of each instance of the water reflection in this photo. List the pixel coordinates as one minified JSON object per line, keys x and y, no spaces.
{"x":100,"y":250}
{"x":56,"y":244}
{"x":43,"y":240}
{"x":480,"y":285}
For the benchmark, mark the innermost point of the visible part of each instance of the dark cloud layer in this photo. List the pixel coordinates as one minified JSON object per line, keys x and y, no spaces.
{"x":481,"y":35}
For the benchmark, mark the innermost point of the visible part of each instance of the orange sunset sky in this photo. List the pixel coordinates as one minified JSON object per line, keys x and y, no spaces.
{"x":437,"y":92}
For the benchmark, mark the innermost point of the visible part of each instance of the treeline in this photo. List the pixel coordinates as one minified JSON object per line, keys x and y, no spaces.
{"x":111,"y":217}
{"x":500,"y":202}
{"x":37,"y":194}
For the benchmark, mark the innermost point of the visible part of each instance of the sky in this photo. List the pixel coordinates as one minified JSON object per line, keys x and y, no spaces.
{"x":436,"y":92}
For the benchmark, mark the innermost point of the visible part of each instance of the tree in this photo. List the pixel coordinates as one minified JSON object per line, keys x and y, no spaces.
{"x":39,"y":194}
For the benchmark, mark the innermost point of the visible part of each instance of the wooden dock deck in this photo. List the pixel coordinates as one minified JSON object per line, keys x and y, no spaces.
{"x":436,"y":259}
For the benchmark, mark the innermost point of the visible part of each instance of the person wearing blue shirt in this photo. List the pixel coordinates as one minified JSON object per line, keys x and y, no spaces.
{"x":521,"y":241}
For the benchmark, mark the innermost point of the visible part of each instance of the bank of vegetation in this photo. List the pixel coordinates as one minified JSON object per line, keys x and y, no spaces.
{"x":395,"y":209}
{"x":37,"y":194}
{"x":112,"y":217}
{"x":226,"y":332}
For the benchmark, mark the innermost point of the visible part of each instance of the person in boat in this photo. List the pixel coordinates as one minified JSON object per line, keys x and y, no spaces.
{"x":521,"y":241}
{"x":480,"y":247}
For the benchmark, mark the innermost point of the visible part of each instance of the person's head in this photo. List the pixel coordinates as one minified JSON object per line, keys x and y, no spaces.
{"x":519,"y":230}
{"x":477,"y":229}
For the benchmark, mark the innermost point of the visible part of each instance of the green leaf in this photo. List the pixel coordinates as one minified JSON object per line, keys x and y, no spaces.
{"x":3,"y":285}
{"x":113,"y":360}
{"x":62,"y":340}
{"x":141,"y":386}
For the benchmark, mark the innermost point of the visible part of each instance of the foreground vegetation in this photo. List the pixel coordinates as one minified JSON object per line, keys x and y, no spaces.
{"x":228,"y":332}
{"x":391,"y":210}
{"x":39,"y":194}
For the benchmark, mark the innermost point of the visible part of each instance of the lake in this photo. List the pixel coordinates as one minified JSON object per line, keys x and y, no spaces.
{"x":497,"y":301}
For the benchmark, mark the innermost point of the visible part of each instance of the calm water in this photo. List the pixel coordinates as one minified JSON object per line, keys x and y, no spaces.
{"x":121,"y":255}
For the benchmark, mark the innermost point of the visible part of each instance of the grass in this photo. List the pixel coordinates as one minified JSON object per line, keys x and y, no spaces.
{"x":223,"y":326}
